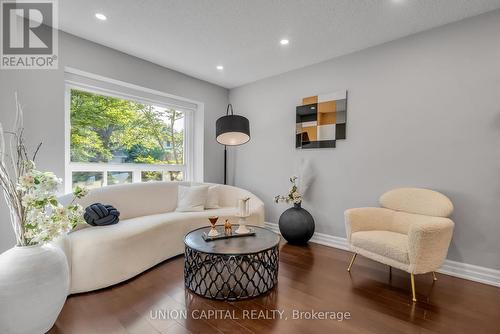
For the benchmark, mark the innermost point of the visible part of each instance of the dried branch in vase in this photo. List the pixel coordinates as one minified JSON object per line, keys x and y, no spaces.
{"x":35,"y":213}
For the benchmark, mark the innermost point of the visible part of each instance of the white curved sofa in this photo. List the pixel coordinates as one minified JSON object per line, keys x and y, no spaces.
{"x":149,"y":232}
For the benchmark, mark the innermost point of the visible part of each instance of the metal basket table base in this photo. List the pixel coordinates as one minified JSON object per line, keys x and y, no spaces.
{"x":231,"y":277}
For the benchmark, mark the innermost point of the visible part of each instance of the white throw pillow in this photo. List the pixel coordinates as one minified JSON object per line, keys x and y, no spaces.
{"x":213,"y":198}
{"x":191,"y":198}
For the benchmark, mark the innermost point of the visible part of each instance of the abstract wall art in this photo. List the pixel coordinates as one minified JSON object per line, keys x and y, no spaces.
{"x":321,"y":120}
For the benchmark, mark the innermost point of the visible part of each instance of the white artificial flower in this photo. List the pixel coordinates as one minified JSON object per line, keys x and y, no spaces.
{"x":45,"y":218}
{"x":293,"y":196}
{"x":27,"y":180}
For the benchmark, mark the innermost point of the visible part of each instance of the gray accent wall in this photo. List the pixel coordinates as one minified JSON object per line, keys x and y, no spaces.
{"x":423,"y":111}
{"x":42,"y":94}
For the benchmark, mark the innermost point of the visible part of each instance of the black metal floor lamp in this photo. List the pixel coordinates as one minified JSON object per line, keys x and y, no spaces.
{"x":231,"y":130}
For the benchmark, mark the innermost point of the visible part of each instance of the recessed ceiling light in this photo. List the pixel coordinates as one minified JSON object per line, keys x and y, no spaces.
{"x":220,"y":67}
{"x":101,"y":17}
{"x":284,"y":42}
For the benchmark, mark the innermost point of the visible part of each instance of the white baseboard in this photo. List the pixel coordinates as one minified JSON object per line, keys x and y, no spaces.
{"x":317,"y":238}
{"x":471,"y":272}
{"x":458,"y":269}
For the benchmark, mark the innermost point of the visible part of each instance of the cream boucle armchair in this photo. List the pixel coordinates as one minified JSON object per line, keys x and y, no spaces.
{"x":410,"y":231}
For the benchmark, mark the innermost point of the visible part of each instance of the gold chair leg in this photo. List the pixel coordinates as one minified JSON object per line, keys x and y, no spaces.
{"x":352,"y":261}
{"x":434,"y":276}
{"x":413,"y":288}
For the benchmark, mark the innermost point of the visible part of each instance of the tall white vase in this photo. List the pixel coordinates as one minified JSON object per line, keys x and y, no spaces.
{"x":34,"y":283}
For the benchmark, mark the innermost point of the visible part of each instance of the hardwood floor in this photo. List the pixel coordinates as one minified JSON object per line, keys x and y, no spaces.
{"x":313,"y":277}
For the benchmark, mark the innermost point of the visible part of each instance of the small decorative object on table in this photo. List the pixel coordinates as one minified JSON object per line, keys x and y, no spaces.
{"x":228,"y":228}
{"x":228,"y":235}
{"x":296,"y":224}
{"x":244,"y":209}
{"x":213,"y":231}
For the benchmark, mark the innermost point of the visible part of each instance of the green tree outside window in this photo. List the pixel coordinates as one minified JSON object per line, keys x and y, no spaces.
{"x":111,"y":130}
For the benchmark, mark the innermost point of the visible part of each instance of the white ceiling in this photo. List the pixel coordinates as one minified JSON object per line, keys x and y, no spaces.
{"x":193,"y":36}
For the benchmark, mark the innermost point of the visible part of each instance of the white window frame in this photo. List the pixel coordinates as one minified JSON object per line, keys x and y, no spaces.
{"x":192,"y":168}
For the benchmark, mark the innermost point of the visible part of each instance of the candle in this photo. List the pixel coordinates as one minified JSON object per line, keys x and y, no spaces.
{"x":241,"y":206}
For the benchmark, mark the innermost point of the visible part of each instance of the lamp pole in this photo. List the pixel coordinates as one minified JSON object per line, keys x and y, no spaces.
{"x":225,"y":164}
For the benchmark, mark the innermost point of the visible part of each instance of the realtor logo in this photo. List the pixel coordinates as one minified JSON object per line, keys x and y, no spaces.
{"x":29,"y":34}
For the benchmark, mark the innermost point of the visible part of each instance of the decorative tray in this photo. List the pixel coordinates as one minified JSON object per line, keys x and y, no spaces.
{"x":222,"y":235}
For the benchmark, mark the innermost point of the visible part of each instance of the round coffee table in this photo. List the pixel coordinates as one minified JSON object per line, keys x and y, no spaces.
{"x":231,"y":269}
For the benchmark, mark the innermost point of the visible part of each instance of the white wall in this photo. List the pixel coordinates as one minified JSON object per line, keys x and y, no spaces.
{"x":42,"y":94}
{"x":423,"y":111}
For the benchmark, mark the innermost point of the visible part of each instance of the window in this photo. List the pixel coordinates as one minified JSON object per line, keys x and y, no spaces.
{"x":117,"y":138}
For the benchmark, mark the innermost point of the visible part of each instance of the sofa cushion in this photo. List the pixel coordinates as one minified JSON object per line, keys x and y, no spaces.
{"x":110,"y":254}
{"x":213,"y":198}
{"x":389,"y":244}
{"x":192,"y":198}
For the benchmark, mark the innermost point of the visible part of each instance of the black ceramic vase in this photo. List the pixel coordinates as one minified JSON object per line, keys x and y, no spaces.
{"x":296,"y":225}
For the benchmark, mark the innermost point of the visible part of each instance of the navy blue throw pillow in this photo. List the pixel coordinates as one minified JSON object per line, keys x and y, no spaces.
{"x":98,"y":214}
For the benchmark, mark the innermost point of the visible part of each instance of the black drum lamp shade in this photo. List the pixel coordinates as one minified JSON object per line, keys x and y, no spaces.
{"x":232,"y":130}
